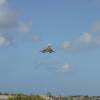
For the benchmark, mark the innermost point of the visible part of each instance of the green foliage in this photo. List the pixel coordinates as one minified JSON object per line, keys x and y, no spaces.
{"x":10,"y":98}
{"x":19,"y":97}
{"x":5,"y":93}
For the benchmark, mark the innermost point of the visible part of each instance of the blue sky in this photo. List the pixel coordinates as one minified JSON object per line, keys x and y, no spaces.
{"x":72,"y":27}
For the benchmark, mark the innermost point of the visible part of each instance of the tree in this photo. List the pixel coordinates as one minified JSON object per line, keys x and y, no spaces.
{"x":0,"y":93}
{"x":49,"y":94}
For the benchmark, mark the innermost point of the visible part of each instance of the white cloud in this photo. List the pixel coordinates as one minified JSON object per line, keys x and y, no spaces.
{"x":25,"y":27}
{"x":2,"y":2}
{"x":4,"y":41}
{"x":66,"y":45}
{"x":9,"y":19}
{"x":90,"y":40}
{"x":9,"y":22}
{"x":65,"y":68}
{"x":86,"y":40}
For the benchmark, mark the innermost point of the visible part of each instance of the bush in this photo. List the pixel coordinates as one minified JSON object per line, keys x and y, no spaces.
{"x":19,"y":97}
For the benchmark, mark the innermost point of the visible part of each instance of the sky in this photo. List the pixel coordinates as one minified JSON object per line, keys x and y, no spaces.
{"x":72,"y":27}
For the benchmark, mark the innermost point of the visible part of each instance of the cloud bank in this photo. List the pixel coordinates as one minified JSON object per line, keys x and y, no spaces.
{"x":9,"y":21}
{"x":8,"y":17}
{"x":84,"y":41}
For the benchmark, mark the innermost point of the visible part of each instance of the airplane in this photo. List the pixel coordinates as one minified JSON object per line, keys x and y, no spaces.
{"x":48,"y":49}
